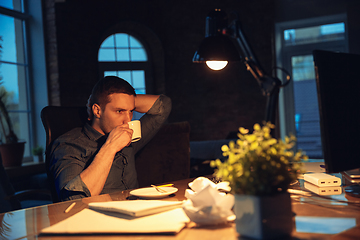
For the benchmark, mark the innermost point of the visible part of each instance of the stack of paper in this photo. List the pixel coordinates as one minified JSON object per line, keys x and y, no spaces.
{"x":89,"y":221}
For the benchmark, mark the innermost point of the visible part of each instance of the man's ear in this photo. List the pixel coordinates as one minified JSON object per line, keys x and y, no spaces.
{"x":96,"y":110}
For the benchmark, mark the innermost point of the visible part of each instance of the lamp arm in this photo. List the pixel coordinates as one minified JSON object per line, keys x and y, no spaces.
{"x":266,"y":82}
{"x":269,"y":85}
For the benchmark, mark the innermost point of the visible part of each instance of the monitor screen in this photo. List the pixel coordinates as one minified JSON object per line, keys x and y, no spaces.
{"x":338,"y":90}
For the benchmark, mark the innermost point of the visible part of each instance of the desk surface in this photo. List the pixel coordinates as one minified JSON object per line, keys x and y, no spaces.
{"x":315,"y":218}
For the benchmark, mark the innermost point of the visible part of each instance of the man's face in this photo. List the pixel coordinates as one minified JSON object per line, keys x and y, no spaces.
{"x":117,"y":112}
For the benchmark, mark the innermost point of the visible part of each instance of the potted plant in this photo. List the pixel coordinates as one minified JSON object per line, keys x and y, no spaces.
{"x":260,"y":169}
{"x":39,"y":153}
{"x":12,"y":150}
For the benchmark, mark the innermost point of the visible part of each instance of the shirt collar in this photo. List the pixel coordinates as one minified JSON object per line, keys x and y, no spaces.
{"x":91,"y":133}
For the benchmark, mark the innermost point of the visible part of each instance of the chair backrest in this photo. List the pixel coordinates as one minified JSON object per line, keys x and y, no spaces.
{"x":166,"y":157}
{"x":57,"y":121}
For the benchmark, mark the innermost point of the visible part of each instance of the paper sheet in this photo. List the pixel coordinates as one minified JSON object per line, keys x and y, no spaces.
{"x":136,"y":208}
{"x":90,"y":221}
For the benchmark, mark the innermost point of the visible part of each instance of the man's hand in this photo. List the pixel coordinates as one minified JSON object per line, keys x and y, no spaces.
{"x":119,"y":137}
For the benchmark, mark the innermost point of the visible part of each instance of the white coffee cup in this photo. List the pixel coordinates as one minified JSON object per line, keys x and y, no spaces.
{"x":136,"y":127}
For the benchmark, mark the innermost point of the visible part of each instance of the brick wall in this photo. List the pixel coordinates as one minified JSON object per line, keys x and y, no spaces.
{"x":215,"y":103}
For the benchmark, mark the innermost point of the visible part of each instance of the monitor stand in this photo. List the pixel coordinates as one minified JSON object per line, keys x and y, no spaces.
{"x":352,"y":186}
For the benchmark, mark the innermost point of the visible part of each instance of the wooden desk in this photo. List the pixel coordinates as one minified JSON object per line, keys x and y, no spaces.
{"x":329,"y":213}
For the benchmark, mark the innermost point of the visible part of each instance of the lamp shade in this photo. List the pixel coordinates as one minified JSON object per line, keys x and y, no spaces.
{"x":216,"y":48}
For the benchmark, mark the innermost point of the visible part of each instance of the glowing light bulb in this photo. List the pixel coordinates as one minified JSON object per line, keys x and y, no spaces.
{"x":216,"y":65}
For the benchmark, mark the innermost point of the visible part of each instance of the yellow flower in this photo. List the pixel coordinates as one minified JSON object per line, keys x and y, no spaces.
{"x":243,"y":130}
{"x":224,"y":148}
{"x":254,"y":145}
{"x":250,"y":138}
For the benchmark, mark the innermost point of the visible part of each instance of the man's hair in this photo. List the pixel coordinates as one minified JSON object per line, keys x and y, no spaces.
{"x":105,"y":87}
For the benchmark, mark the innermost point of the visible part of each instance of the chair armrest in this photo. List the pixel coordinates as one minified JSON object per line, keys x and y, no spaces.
{"x":30,"y":194}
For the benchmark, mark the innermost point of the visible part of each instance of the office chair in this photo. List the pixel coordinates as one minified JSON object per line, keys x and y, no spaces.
{"x":57,"y":121}
{"x":165,"y":158}
{"x":11,"y":200}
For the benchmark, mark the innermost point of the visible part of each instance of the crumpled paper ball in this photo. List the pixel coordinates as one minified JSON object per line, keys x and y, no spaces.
{"x":205,"y":205}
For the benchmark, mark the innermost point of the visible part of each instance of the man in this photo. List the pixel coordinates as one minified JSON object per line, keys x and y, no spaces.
{"x":100,"y":158}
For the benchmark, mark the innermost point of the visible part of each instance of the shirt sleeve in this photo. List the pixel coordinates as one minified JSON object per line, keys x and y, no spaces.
{"x":74,"y":189}
{"x":152,"y":121}
{"x":161,"y":107}
{"x":67,"y":161}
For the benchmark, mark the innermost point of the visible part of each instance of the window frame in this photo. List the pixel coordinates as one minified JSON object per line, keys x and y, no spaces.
{"x":283,"y":60}
{"x":130,"y":65}
{"x":36,"y":78}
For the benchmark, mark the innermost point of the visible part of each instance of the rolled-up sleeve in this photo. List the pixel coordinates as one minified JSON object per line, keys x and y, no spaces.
{"x":74,"y":189}
{"x":66,"y":169}
{"x":68,"y":159}
{"x":161,"y":107}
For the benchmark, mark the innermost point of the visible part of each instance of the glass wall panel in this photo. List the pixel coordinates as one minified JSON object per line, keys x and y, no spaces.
{"x":20,"y":122}
{"x":303,"y":67}
{"x":122,"y":40}
{"x":14,"y":77}
{"x":138,"y":79}
{"x":315,"y":34}
{"x":122,"y":55}
{"x":12,"y":40}
{"x":108,"y":42}
{"x":134,"y":43}
{"x":135,"y":78}
{"x":106,"y":55}
{"x":126,"y":75}
{"x":12,"y":4}
{"x":307,"y":119}
{"x":298,"y":104}
{"x":137,"y":55}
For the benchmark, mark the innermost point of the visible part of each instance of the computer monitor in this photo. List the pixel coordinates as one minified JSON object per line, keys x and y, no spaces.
{"x":338,"y":91}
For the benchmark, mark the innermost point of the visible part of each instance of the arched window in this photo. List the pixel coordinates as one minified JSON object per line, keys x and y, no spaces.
{"x":124,"y":56}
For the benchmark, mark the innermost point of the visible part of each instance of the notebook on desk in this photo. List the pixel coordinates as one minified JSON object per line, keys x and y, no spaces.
{"x":90,"y":221}
{"x":136,"y":208}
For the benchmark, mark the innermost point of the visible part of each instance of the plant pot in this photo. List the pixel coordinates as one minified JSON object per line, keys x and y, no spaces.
{"x":12,"y":153}
{"x":263,"y":217}
{"x":38,"y":158}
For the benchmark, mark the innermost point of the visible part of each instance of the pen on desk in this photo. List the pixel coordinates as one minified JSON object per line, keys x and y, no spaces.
{"x":166,"y":185}
{"x":70,"y":207}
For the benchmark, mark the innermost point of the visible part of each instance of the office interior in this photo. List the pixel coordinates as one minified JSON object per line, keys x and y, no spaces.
{"x":215,"y":103}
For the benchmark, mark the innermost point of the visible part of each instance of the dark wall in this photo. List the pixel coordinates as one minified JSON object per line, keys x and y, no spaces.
{"x":215,"y":103}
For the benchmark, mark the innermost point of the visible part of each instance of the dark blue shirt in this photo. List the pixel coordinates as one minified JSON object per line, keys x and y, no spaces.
{"x":74,"y":151}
